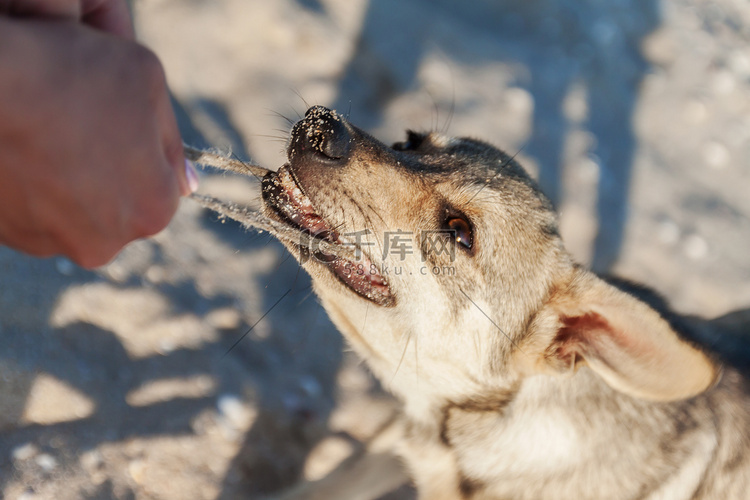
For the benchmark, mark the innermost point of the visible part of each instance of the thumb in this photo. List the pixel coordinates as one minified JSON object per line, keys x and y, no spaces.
{"x":67,"y":9}
{"x":172,"y":146}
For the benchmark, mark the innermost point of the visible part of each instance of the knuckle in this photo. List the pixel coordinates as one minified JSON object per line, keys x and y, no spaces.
{"x":150,"y":67}
{"x":172,"y":147}
{"x":151,"y":225}
{"x":147,"y":60}
{"x":156,"y":213}
{"x":94,"y":255}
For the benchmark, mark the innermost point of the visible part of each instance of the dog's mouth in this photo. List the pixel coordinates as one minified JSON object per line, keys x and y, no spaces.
{"x":288,"y":202}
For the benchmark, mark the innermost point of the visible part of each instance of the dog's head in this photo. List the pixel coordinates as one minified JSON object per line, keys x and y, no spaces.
{"x":459,"y":278}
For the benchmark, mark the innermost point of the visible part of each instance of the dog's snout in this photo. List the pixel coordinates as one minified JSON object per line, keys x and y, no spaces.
{"x":322,"y":133}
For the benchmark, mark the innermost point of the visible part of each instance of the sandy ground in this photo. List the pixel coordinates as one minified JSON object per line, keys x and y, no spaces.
{"x":120,"y":383}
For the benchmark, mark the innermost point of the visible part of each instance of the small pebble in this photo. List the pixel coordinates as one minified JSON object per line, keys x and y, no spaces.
{"x":116,"y":272}
{"x":47,"y":462}
{"x":669,"y":232}
{"x":225,"y":318}
{"x":64,"y":266}
{"x":695,"y":112}
{"x":234,"y":411}
{"x":739,"y":63}
{"x":91,"y":460}
{"x":660,"y":47}
{"x":588,"y":170}
{"x":311,"y":386}
{"x":24,"y":452}
{"x":716,"y":155}
{"x":155,"y":274}
{"x":137,"y":470}
{"x":575,"y":105}
{"x":724,"y":82}
{"x":28,"y":494}
{"x":166,"y":346}
{"x":696,"y":247}
{"x":520,"y":100}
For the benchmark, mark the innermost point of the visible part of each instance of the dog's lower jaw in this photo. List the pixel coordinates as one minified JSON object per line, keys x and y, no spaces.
{"x":285,"y":201}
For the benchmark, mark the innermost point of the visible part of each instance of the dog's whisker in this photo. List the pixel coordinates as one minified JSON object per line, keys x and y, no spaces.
{"x":283,"y":117}
{"x":403,"y":355}
{"x":296,"y":276}
{"x":451,"y":111}
{"x":477,"y":346}
{"x":304,"y":101}
{"x":281,"y":138}
{"x":364,"y":322}
{"x":278,"y":266}
{"x":299,"y":116}
{"x":372,"y":209}
{"x":256,"y":323}
{"x":416,"y":357}
{"x":491,"y":320}
{"x":309,"y":293}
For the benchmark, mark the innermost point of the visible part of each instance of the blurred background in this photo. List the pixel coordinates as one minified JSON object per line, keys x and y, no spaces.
{"x":120,"y":383}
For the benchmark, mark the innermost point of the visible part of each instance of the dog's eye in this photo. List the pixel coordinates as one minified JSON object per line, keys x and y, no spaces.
{"x":461,"y":231}
{"x":412,"y":142}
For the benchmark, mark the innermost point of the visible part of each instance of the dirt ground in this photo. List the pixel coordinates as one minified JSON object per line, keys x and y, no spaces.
{"x":121,"y":384}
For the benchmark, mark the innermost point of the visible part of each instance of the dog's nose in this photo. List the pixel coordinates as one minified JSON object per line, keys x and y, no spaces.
{"x":322,"y":132}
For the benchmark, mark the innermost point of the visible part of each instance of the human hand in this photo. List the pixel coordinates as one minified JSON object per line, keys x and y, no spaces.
{"x":90,"y":154}
{"x":111,"y":16}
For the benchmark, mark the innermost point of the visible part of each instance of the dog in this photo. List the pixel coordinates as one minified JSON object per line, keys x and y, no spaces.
{"x":522,"y":375}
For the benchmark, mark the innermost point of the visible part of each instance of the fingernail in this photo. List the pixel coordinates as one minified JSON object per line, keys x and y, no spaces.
{"x":191,"y":174}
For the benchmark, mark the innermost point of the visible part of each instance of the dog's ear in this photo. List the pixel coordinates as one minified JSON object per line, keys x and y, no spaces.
{"x":623,"y":340}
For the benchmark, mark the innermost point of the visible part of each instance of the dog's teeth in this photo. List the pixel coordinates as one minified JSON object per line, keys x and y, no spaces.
{"x":298,"y":208}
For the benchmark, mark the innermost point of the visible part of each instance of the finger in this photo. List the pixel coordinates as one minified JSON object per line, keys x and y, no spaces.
{"x":97,"y":256}
{"x":172,"y":147}
{"x":112,"y":16}
{"x":41,"y":8}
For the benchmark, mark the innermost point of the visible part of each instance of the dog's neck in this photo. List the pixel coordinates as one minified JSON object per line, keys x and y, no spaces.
{"x":547,"y":427}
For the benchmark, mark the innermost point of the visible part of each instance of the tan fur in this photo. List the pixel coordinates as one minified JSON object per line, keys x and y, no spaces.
{"x":623,"y":340}
{"x":522,"y":375}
